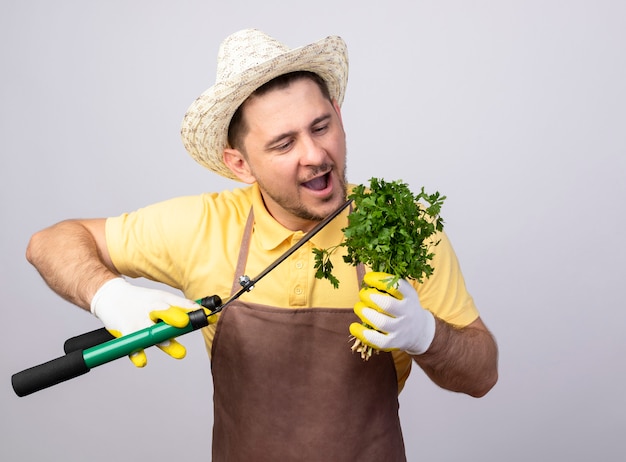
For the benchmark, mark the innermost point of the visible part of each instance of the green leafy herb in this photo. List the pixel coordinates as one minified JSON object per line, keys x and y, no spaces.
{"x":389,"y":230}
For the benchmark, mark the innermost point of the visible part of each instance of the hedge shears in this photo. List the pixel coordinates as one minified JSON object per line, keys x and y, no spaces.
{"x":92,"y":349}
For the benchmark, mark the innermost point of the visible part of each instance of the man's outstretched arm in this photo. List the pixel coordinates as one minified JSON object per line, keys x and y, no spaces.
{"x":461,"y":359}
{"x":72,"y":258}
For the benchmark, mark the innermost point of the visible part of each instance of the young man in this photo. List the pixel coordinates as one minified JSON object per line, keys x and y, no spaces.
{"x":286,"y":385}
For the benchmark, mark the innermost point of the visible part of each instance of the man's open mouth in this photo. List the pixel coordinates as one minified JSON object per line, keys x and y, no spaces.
{"x":318,"y":183}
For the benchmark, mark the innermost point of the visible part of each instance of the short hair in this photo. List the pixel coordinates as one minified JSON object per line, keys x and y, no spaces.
{"x":237,"y":129}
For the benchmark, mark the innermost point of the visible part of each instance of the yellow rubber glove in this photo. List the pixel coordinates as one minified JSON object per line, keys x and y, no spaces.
{"x":171,"y":347}
{"x":394,"y":317}
{"x":174,"y":316}
{"x":124,"y":308}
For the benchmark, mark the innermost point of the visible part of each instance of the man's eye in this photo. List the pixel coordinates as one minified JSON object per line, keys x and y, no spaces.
{"x":283,"y":146}
{"x":320,"y":129}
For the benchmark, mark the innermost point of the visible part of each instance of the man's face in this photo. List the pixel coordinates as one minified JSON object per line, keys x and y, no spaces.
{"x":296,"y":151}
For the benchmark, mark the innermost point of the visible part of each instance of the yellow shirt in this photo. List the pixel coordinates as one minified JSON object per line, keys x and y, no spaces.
{"x":192,"y":244}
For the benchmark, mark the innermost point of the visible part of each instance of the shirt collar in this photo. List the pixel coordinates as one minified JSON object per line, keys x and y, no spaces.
{"x":271,"y":234}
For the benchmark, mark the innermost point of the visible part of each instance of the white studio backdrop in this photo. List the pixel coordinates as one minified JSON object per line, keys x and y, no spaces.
{"x":513,"y":109}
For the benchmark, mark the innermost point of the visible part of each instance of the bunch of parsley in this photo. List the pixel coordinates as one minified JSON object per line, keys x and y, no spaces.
{"x":389,"y":230}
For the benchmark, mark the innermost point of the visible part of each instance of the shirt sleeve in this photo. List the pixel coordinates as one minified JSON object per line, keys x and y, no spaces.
{"x":444,"y":292}
{"x":152,"y":241}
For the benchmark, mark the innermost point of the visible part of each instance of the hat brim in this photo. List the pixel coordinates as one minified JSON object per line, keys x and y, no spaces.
{"x":204,"y":129}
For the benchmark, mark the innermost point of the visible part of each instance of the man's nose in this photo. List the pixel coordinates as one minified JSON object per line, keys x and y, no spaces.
{"x":314,"y":152}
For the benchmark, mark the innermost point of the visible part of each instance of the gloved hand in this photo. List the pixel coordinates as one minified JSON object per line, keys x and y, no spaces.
{"x":125,"y":308}
{"x":395,"y":315}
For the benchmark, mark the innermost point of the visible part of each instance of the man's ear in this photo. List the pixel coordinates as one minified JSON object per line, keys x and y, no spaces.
{"x":238,"y":164}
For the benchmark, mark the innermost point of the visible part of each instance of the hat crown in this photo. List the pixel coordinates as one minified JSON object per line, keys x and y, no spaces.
{"x":244,"y":50}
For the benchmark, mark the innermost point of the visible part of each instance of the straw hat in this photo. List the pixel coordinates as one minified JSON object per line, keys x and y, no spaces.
{"x":246,"y":60}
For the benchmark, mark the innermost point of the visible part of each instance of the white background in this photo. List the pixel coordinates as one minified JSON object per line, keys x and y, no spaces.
{"x":513,"y":109}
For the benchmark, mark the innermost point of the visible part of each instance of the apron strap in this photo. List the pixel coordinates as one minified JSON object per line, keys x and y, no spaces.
{"x":243,"y":252}
{"x":245,"y":247}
